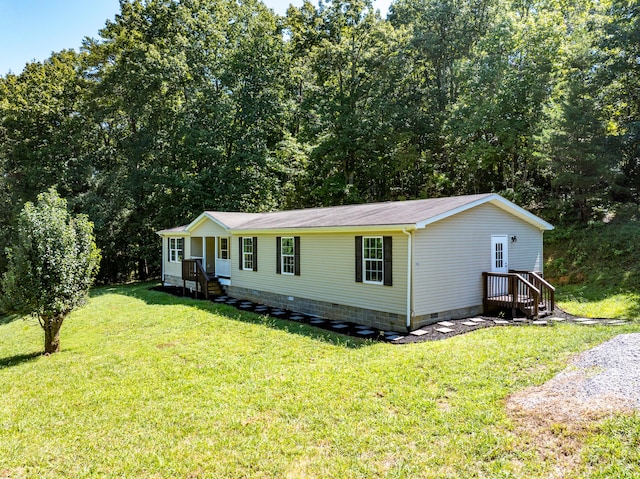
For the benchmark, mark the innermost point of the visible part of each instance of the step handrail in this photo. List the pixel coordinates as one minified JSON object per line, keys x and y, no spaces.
{"x":516,"y":281}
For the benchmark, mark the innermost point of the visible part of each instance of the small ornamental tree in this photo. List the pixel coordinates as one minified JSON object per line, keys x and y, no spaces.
{"x":51,"y":264}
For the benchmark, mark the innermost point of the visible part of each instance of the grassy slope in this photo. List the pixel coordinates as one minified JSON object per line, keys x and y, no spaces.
{"x":149,"y":385}
{"x":597,"y":268}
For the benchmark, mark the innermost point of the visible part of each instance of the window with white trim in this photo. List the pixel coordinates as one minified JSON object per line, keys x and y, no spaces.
{"x":176,"y":250}
{"x":373,"y":259}
{"x":223,"y":248}
{"x":287,"y":255}
{"x":247,"y":253}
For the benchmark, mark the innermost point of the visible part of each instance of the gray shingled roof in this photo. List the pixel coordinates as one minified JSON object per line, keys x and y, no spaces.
{"x":370,"y":214}
{"x":398,"y":213}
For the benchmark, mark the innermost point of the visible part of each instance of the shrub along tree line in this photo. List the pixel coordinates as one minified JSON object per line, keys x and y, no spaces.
{"x":181,"y":106}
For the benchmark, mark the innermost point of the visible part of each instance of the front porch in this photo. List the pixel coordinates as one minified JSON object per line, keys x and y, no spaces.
{"x":214,"y":253}
{"x":523,"y":292}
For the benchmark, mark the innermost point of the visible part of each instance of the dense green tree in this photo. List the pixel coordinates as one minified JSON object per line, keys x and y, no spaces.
{"x":350,"y":104}
{"x":183,"y":105}
{"x":619,"y":75}
{"x":52,"y":263}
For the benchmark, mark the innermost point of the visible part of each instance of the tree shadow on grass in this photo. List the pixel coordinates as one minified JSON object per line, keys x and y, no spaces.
{"x":144,"y":293}
{"x":8,"y":318}
{"x":18,"y":359}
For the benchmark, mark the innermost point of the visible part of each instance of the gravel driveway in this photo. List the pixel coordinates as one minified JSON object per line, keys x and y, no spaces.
{"x":601,"y":380}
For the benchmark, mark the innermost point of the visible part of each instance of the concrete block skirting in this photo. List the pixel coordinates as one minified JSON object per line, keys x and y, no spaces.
{"x":367,"y":317}
{"x":171,"y":280}
{"x":460,"y":313}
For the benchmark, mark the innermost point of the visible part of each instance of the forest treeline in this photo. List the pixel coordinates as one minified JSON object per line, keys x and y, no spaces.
{"x":181,"y":106}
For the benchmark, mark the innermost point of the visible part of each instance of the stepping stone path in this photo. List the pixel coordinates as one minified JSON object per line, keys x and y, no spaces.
{"x":418,"y":332}
{"x":444,"y":327}
{"x":365,"y":332}
{"x":445,"y":330}
{"x":447,"y":324}
{"x":393,"y":338}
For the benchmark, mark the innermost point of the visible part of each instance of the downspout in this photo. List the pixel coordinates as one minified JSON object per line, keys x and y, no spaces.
{"x":164,"y":255}
{"x":409,"y":276}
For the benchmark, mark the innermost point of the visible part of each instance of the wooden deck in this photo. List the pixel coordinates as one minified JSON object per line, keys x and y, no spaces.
{"x":518,"y":292}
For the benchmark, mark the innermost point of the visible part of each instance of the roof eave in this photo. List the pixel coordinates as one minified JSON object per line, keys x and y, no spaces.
{"x":323,"y":229}
{"x":498,"y":201}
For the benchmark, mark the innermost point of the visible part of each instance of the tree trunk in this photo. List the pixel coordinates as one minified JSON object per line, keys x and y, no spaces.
{"x":51,"y":328}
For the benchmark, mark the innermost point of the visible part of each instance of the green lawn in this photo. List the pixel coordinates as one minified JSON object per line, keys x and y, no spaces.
{"x":149,"y":385}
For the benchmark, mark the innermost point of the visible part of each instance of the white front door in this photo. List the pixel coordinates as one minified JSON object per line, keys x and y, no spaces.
{"x":499,"y":264}
{"x":499,"y":254}
{"x":223,"y":257}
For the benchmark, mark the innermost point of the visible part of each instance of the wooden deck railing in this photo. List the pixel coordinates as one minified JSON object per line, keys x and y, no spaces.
{"x":192,"y":270}
{"x":511,"y":291}
{"x":547,"y":291}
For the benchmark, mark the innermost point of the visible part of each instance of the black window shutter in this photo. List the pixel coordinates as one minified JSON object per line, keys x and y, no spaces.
{"x":169,"y":249}
{"x":240,"y":251}
{"x":255,"y":253}
{"x":358,"y":259}
{"x":296,"y":258}
{"x":278,"y":255}
{"x":387,"y":261}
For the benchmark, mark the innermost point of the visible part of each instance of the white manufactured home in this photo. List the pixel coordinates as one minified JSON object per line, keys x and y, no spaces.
{"x":394,"y":265}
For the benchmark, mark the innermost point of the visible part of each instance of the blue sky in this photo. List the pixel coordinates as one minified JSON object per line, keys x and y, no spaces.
{"x":33,"y":29}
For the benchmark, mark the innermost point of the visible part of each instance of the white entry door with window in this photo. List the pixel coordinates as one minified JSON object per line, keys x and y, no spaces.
{"x":223,"y":257}
{"x":500,"y":254}
{"x":499,"y":264}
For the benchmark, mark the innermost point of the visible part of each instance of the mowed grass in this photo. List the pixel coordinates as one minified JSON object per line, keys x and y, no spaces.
{"x":149,"y":385}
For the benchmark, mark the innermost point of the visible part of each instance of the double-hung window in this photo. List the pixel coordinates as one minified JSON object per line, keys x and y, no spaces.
{"x":287,"y":255}
{"x":176,"y":249}
{"x":247,"y":254}
{"x":223,"y":248}
{"x":373,"y":259}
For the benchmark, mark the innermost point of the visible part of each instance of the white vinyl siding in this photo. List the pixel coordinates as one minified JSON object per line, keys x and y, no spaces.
{"x":451,"y":255}
{"x":327,"y":261}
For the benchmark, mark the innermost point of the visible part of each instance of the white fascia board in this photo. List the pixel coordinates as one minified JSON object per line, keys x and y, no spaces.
{"x":521,"y":213}
{"x":203,"y":216}
{"x":167,"y":233}
{"x":324,"y":230}
{"x":500,"y":202}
